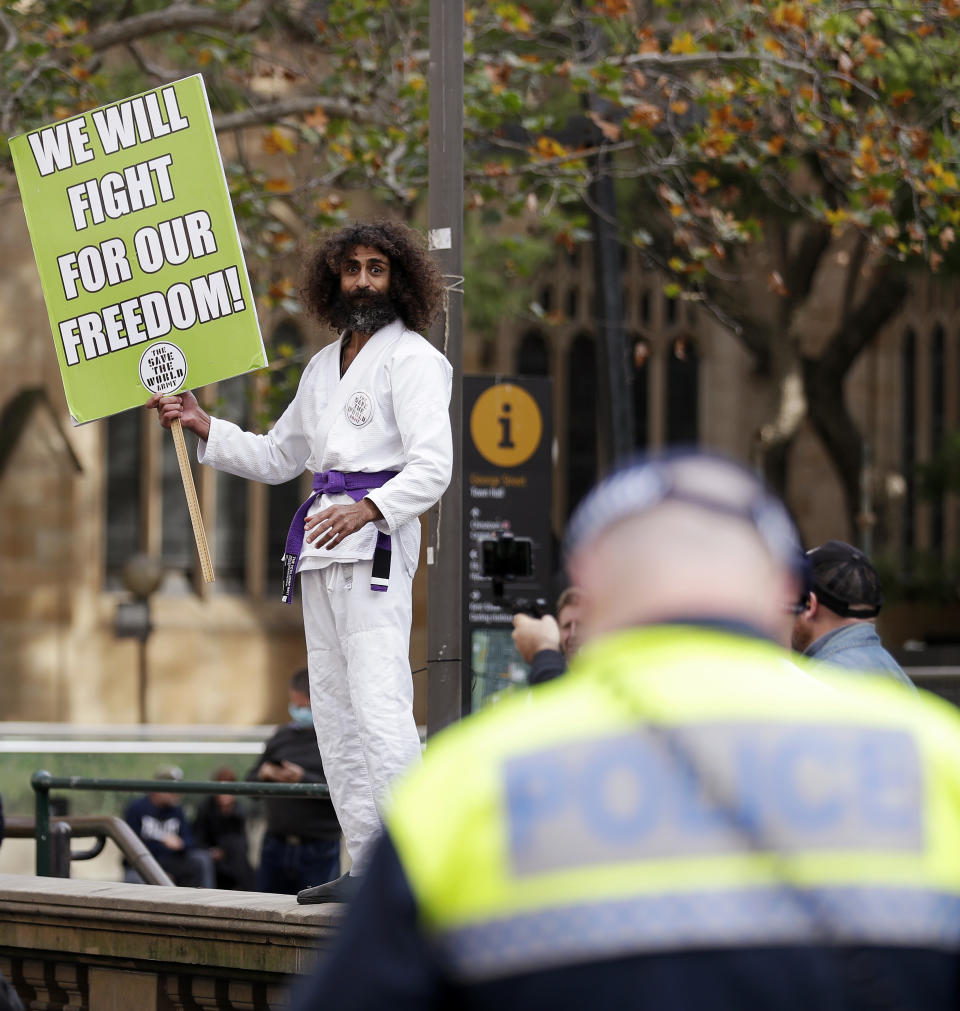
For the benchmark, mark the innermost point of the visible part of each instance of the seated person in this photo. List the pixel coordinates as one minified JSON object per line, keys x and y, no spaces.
{"x":221,"y":826}
{"x":161,"y":823}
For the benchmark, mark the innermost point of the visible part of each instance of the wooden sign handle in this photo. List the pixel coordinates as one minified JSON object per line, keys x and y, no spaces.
{"x":193,"y":503}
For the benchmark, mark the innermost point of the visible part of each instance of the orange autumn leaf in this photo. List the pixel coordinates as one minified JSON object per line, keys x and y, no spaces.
{"x":645,"y":114}
{"x":276,"y":141}
{"x":547,"y":147}
{"x":648,"y":41}
{"x":277,"y":186}
{"x":789,"y":15}
{"x":683,"y":43}
{"x":317,"y":119}
{"x":703,"y":180}
{"x":498,"y":75}
{"x":920,"y":143}
{"x":612,"y":8}
{"x":609,"y":130}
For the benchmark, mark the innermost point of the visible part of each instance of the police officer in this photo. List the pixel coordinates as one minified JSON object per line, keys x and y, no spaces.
{"x":687,"y":819}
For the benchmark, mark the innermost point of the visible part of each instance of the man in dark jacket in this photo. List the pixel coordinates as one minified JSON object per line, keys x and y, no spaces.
{"x":301,"y":846}
{"x":162,"y":824}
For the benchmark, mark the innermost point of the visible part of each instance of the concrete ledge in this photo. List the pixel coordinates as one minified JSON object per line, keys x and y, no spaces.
{"x":146,"y":939}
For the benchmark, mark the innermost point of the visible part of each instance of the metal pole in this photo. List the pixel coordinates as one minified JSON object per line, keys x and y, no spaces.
{"x":60,"y":856}
{"x":40,"y":781}
{"x":142,"y":692}
{"x":616,"y":374}
{"x":616,"y":370}
{"x":446,"y":695}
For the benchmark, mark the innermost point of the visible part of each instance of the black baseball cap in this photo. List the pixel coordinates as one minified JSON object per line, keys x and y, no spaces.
{"x":844,"y":580}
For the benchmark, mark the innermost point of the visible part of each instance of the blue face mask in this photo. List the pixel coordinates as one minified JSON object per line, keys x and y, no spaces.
{"x":301,"y":715}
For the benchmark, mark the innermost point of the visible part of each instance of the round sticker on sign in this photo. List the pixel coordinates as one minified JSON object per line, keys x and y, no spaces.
{"x":163,"y":368}
{"x":359,"y":409}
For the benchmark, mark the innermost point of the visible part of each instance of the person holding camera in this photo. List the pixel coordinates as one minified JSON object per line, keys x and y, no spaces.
{"x":548,"y":644}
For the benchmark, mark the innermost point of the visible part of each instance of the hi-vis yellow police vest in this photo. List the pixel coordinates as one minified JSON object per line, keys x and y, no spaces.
{"x":684,"y":788}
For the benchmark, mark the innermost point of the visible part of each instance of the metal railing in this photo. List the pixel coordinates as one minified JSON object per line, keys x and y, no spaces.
{"x":43,"y":782}
{"x":65,"y":828}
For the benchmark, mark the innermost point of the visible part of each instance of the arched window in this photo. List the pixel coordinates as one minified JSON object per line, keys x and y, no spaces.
{"x":683,"y":393}
{"x":533,"y":359}
{"x":573,"y":303}
{"x":640,"y":356}
{"x":123,"y":492}
{"x":581,"y":419}
{"x":644,"y":307}
{"x":908,"y":443}
{"x":937,"y":429}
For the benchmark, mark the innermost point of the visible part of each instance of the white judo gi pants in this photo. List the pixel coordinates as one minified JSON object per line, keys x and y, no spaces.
{"x":361,"y":691}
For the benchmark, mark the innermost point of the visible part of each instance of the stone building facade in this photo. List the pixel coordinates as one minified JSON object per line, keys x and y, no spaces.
{"x":76,"y":503}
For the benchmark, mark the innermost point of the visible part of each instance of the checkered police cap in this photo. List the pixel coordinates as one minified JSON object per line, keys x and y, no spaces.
{"x":707,"y":481}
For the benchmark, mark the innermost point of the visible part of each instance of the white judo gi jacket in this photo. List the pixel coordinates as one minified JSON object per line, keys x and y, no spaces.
{"x":390,"y":411}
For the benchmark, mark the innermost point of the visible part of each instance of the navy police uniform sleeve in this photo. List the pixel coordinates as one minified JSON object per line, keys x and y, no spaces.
{"x":381,"y":930}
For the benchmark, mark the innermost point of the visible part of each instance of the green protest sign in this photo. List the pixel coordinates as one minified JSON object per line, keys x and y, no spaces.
{"x":137,"y":249}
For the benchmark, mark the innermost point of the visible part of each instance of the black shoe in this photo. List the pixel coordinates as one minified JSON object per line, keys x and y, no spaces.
{"x":341,"y":889}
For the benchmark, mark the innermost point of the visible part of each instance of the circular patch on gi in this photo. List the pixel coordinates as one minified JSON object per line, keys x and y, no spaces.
{"x":359,"y":409}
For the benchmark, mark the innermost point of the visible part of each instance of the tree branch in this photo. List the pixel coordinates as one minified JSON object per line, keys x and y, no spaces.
{"x":7,"y":25}
{"x":177,"y":17}
{"x":853,"y":273}
{"x":699,"y":61}
{"x":295,"y":106}
{"x":802,"y":267}
{"x":882,"y":300}
{"x":152,"y":69}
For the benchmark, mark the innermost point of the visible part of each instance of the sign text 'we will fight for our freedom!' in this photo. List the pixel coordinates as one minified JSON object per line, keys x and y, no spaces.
{"x":115,"y":195}
{"x":135,"y":240}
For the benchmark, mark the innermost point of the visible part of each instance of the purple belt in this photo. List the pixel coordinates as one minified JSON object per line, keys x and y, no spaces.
{"x":334,"y":482}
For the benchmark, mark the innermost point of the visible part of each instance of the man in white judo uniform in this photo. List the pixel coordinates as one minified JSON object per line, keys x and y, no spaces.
{"x":370,"y":419}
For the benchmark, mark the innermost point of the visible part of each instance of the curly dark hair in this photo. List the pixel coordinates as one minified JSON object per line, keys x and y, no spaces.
{"x":416,"y":285}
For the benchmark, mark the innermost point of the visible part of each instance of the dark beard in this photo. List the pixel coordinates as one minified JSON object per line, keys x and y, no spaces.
{"x":365,"y":313}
